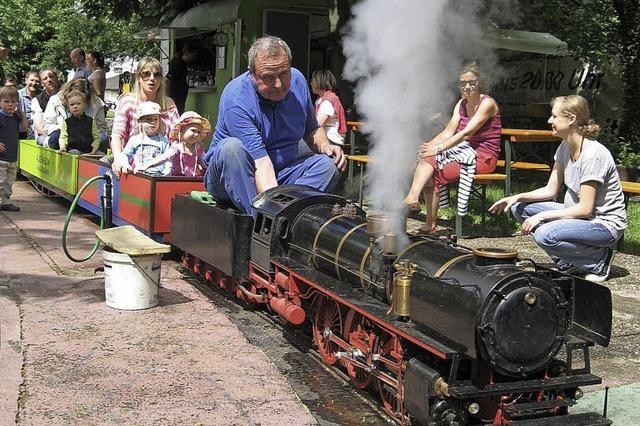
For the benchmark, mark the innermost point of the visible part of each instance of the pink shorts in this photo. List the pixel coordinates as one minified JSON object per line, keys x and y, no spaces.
{"x":450,"y":173}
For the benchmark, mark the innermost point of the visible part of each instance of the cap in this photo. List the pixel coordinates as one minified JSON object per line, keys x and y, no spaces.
{"x":147,"y":108}
{"x":190,"y":117}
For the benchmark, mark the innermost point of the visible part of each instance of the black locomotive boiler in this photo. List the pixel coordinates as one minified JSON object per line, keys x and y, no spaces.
{"x":444,"y":334}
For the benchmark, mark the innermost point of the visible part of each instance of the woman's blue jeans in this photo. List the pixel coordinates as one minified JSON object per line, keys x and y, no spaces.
{"x":578,"y":242}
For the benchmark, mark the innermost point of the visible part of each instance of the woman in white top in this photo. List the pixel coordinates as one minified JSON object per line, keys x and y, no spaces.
{"x":579,"y":232}
{"x":329,"y":110}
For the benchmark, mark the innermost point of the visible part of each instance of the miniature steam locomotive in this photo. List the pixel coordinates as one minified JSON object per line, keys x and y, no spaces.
{"x":445,"y":335}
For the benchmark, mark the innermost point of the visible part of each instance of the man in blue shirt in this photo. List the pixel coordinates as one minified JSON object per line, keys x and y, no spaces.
{"x":263,"y":115}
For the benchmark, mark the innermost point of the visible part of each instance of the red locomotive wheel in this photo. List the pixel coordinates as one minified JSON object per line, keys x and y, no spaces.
{"x":392,"y":398}
{"x":358,"y":331}
{"x":327,"y":319}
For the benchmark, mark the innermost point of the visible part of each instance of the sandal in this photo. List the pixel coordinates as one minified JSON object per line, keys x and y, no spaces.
{"x":437,"y":232}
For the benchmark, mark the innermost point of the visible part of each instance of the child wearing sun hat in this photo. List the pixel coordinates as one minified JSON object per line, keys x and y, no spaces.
{"x":148,"y":151}
{"x":186,"y":144}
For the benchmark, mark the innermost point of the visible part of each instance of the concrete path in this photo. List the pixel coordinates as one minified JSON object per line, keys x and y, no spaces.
{"x":67,"y":358}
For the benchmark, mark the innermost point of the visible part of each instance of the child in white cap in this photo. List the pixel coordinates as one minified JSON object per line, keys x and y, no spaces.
{"x":186,"y":144}
{"x":148,"y":150}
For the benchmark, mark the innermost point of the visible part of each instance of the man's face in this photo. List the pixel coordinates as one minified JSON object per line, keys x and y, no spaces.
{"x":189,"y":57}
{"x":76,"y":59}
{"x":272,"y":76}
{"x":32,"y":83}
{"x":49,"y":81}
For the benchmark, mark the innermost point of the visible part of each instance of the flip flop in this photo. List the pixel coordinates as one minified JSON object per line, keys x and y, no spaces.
{"x":438,"y":232}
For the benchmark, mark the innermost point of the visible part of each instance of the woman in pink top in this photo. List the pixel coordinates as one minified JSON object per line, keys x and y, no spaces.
{"x":471,"y":138}
{"x":147,"y":87}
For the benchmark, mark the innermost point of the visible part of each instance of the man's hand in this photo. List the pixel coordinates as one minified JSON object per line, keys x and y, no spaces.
{"x":338,"y":156}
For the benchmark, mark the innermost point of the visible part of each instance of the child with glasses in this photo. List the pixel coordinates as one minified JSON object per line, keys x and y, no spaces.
{"x":12,"y":121}
{"x":147,"y":152}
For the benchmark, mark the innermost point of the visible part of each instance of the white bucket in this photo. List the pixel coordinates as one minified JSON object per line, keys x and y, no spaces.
{"x":131,"y":282}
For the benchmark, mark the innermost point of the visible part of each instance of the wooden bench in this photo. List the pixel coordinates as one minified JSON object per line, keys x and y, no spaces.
{"x":480,"y":181}
{"x":629,"y":189}
{"x":514,"y":136}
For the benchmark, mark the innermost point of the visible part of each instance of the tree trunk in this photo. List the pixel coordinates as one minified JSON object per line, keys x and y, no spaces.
{"x":629,"y":30}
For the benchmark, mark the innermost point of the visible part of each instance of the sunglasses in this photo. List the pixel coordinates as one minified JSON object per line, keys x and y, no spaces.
{"x":147,"y":74}
{"x":463,"y":83}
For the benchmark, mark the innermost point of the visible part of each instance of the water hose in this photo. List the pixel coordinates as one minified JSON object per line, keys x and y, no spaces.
{"x":105,"y":218}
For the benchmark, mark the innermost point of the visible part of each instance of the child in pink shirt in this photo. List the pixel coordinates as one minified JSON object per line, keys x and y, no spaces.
{"x":186,"y":144}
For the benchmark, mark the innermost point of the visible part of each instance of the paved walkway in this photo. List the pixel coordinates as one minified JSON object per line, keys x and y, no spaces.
{"x":67,"y":358}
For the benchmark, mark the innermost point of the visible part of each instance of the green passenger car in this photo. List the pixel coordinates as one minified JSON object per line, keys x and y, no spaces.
{"x":54,"y":170}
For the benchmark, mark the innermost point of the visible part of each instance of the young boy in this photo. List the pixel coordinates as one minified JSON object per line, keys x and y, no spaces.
{"x":12,"y":121}
{"x":148,"y":149}
{"x":79,"y":133}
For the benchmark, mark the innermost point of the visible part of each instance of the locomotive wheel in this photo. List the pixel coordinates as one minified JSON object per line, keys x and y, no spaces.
{"x":327,"y":318}
{"x":392,"y":401}
{"x":358,"y":331}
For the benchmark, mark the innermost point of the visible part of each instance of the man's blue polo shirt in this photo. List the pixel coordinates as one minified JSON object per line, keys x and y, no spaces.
{"x":265,"y":127}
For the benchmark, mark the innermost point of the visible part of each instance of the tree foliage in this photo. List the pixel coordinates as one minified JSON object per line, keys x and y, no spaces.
{"x":41,"y":33}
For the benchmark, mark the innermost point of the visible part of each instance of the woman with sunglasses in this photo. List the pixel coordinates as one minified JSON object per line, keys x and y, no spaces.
{"x":57,"y":112}
{"x":469,"y":144}
{"x":148,"y":86}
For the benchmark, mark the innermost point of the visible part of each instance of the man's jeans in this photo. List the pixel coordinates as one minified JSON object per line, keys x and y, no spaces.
{"x":230,"y":174}
{"x":578,"y":242}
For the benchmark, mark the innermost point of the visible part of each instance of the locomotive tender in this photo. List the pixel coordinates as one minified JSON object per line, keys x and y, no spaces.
{"x":469,"y":337}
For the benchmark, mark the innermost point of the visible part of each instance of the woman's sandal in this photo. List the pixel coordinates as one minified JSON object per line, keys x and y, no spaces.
{"x":437,"y":232}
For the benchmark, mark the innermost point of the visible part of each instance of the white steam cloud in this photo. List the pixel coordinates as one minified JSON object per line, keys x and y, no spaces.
{"x":404,"y":57}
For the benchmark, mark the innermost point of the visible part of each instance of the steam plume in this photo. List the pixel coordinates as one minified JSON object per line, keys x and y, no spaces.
{"x":404,"y":57}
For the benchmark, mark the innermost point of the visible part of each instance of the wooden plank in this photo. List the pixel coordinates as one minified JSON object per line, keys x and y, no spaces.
{"x":523,"y":165}
{"x":358,"y":158}
{"x":630,"y":187}
{"x":488,"y":178}
{"x":128,"y":240}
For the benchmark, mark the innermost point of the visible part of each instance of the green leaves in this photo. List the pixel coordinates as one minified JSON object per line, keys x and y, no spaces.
{"x":42,"y":33}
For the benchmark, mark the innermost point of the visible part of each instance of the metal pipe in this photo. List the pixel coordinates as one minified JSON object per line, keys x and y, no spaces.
{"x":108,"y":206}
{"x":287,"y":310}
{"x":258,"y":298}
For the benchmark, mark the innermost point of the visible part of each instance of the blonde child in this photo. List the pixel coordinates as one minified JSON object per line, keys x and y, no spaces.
{"x":148,"y":151}
{"x":12,"y":121}
{"x":187,"y":151}
{"x":79,"y":133}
